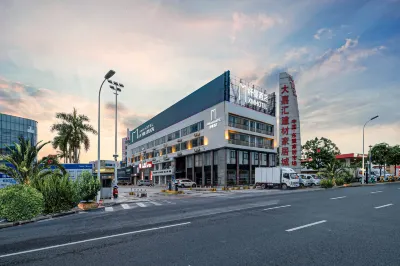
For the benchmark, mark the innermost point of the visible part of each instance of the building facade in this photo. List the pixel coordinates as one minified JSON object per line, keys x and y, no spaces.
{"x":12,"y":127}
{"x":216,"y":136}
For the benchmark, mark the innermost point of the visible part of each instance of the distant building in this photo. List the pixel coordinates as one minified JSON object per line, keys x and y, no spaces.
{"x":12,"y":127}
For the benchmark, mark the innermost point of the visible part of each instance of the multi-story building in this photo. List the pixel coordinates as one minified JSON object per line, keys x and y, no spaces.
{"x":215,"y":136}
{"x":12,"y":127}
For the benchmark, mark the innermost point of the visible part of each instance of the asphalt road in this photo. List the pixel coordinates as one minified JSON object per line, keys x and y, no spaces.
{"x":349,"y":226}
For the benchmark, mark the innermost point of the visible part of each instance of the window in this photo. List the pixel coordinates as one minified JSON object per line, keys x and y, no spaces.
{"x":207,"y":158}
{"x":170,"y":137}
{"x":215,"y":157}
{"x":201,"y":141}
{"x":195,"y":142}
{"x":163,"y":151}
{"x":176,"y":134}
{"x":194,"y":128}
{"x":198,"y":160}
{"x":185,"y":131}
{"x":177,"y":147}
{"x":169,"y":149}
{"x":233,"y":154}
{"x":201,"y":125}
{"x":184,"y":145}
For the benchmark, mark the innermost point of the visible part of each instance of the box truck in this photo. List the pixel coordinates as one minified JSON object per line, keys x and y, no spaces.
{"x":282,"y":177}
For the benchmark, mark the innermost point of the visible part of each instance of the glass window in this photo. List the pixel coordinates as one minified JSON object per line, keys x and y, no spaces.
{"x":184,"y":131}
{"x":195,"y":142}
{"x":194,"y":128}
{"x":184,"y":145}
{"x":169,"y":149}
{"x":198,"y":160}
{"x":201,"y":141}
{"x":177,"y":135}
{"x":201,"y":125}
{"x":170,"y":137}
{"x":177,"y":147}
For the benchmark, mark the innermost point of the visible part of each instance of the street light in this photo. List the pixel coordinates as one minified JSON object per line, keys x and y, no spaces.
{"x":362,"y":178}
{"x":117,"y":88}
{"x":109,"y":74}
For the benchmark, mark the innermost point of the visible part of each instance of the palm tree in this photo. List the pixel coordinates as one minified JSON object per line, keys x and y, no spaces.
{"x":72,"y":134}
{"x":25,"y":167}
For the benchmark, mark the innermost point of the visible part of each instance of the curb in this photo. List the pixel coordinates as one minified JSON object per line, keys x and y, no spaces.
{"x":39,"y":218}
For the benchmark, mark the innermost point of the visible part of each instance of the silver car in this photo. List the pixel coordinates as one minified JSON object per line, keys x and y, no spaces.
{"x":303,"y":181}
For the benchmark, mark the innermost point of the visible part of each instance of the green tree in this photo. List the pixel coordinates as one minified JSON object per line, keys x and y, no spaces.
{"x":319,"y":153}
{"x":380,"y":155}
{"x":25,"y":165}
{"x":72,"y":134}
{"x":88,"y":186}
{"x":394,"y":156}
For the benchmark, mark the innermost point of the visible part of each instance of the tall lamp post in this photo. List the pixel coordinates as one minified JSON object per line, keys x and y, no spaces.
{"x":117,"y":88}
{"x":109,"y":74}
{"x":362,"y":178}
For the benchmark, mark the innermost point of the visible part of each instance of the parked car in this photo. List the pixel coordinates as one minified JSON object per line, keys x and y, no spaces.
{"x":185,"y":183}
{"x":304,"y":182}
{"x":315,"y":180}
{"x":144,"y":183}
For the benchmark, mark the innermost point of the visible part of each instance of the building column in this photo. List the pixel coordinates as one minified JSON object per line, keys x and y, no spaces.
{"x":237,"y":167}
{"x":203,"y":176}
{"x":193,"y":173}
{"x":186,"y":164}
{"x":222,"y":174}
{"x":251,"y":156}
{"x":212,"y":167}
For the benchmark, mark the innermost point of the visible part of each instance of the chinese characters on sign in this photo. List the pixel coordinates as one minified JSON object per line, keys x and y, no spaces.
{"x":290,"y":149}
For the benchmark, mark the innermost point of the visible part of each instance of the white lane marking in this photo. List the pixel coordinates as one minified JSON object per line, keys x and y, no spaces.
{"x":93,"y":239}
{"x":108,"y":209}
{"x":125,"y":206}
{"x":141,"y":204}
{"x":342,"y":197}
{"x":304,"y":226}
{"x":155,"y":203}
{"x":373,"y":192}
{"x":169,"y":202}
{"x":383,"y":206}
{"x":278,"y":207}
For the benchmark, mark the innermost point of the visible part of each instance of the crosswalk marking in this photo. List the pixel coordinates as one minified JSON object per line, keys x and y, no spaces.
{"x":155,"y":203}
{"x":125,"y":206}
{"x":109,"y":209}
{"x":141,"y":204}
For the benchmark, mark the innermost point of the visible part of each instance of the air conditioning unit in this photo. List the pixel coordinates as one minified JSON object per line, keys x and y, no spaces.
{"x":179,"y":140}
{"x":197,"y":134}
{"x":165,"y":145}
{"x":197,"y":150}
{"x":179,"y":154}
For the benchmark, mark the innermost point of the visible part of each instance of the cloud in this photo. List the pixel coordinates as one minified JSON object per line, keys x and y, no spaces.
{"x":260,"y":22}
{"x":42,"y":104}
{"x":296,"y":54}
{"x":324,"y":32}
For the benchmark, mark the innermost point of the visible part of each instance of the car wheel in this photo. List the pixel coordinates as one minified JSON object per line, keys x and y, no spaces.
{"x":264,"y":186}
{"x":301,"y":185}
{"x":284,"y":186}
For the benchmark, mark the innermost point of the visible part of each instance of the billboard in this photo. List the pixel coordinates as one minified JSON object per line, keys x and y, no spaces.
{"x":289,"y":124}
{"x":251,"y":96}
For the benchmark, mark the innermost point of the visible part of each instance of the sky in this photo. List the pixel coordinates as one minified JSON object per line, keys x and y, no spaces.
{"x":344,"y":57}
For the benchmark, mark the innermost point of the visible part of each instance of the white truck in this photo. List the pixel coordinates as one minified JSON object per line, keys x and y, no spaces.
{"x":282,"y":177}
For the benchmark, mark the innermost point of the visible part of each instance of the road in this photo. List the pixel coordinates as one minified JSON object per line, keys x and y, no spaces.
{"x":349,"y":226}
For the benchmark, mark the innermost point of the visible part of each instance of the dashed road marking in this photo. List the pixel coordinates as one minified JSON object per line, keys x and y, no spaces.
{"x":306,"y":225}
{"x":342,"y":197}
{"x":108,"y":209}
{"x":141,"y":204}
{"x":278,"y":207}
{"x":383,"y":206}
{"x":373,"y":192}
{"x":155,"y":203}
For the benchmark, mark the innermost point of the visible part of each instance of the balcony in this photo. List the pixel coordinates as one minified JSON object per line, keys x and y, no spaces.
{"x":250,"y":144}
{"x":238,"y":142}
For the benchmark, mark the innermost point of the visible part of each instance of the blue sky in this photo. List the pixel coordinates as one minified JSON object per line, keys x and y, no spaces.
{"x":344,"y":56}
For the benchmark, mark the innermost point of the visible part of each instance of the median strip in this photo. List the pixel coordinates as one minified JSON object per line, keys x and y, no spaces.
{"x":383,"y":206}
{"x":304,"y":226}
{"x":278,"y":207}
{"x":92,"y":239}
{"x":342,"y":197}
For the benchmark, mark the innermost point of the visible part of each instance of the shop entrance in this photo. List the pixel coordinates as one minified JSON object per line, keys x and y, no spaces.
{"x":180,"y":168}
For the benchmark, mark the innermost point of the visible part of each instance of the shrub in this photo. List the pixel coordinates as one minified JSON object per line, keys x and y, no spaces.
{"x":339,"y":181}
{"x":348,"y":179}
{"x":59,"y":192}
{"x":20,"y":202}
{"x":88,"y":186}
{"x":326,"y":183}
